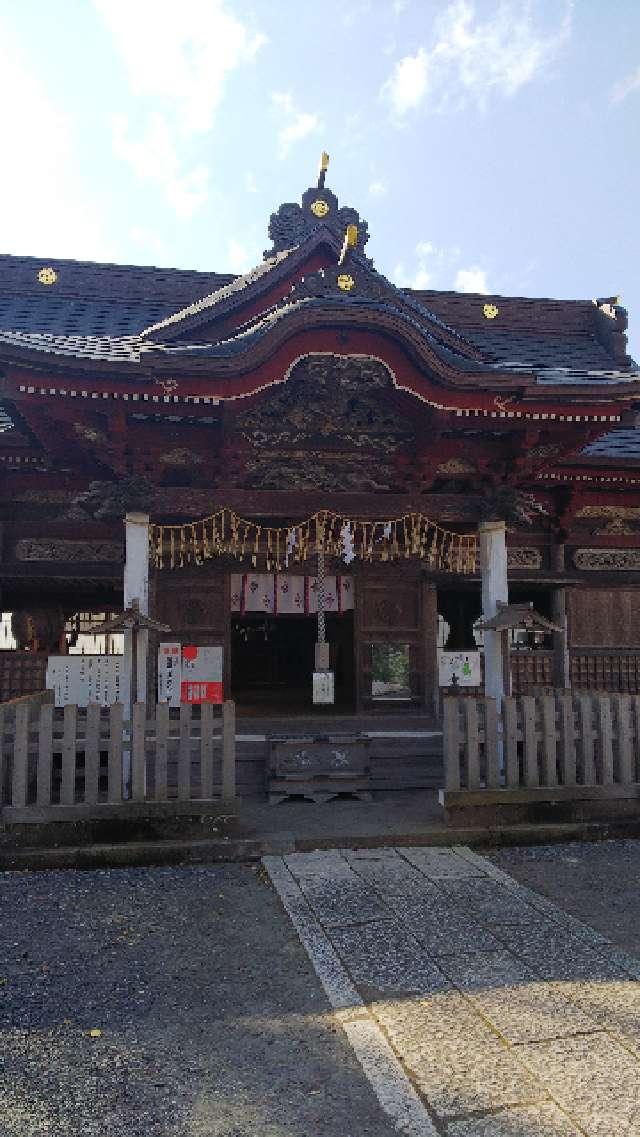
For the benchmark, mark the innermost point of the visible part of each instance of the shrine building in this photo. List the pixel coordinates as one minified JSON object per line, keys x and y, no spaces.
{"x":245,"y":415}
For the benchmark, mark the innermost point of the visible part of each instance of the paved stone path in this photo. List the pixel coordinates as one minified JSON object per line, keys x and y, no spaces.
{"x":474,"y":1005}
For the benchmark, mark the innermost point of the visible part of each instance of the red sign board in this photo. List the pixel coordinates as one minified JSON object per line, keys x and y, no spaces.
{"x":201,"y":679}
{"x":193,"y":691}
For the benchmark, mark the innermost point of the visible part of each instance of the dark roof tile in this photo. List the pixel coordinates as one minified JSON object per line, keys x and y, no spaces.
{"x":623,"y":443}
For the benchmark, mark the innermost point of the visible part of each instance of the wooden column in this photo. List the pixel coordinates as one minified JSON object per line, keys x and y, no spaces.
{"x":493,"y":566}
{"x":136,"y":643}
{"x":561,"y":667}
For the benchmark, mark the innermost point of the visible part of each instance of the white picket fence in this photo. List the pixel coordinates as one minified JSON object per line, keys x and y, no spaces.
{"x":90,"y":762}
{"x":563,"y":740}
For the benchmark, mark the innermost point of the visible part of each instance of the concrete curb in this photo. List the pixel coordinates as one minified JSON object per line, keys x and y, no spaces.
{"x":147,"y":853}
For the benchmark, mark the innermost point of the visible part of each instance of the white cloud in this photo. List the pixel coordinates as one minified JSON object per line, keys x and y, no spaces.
{"x":471,"y":279}
{"x":180,"y":54}
{"x":149,"y":242}
{"x":407,"y":86}
{"x":155,"y":158}
{"x":470,"y":60}
{"x":437,"y":268}
{"x":45,"y":206}
{"x":240,"y":258}
{"x":625,"y":87}
{"x":378,"y":188}
{"x":354,"y":13}
{"x":294,"y":124}
{"x":177,"y":60}
{"x":250,"y":183}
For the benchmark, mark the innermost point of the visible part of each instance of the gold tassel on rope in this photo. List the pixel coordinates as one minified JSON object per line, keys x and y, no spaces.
{"x":223,"y":532}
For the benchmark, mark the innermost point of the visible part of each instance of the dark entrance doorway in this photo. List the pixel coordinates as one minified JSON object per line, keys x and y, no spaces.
{"x":272,"y":659}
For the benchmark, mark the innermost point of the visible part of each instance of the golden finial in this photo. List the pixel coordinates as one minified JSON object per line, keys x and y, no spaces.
{"x":350,"y":242}
{"x":324,"y":166}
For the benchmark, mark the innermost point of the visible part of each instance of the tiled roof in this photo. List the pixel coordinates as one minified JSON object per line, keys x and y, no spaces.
{"x":622,"y":444}
{"x":535,"y":350}
{"x":114,"y":348}
{"x":61,"y":316}
{"x":91,"y":280}
{"x":98,"y":311}
{"x":238,"y":284}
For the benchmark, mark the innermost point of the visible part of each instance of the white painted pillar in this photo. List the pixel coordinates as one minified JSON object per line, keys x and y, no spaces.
{"x":136,"y":588}
{"x":493,"y":567}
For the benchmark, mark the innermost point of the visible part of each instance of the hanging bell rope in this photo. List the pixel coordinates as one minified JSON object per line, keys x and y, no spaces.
{"x":224,"y":533}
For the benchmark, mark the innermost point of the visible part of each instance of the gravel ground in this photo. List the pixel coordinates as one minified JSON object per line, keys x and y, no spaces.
{"x":599,"y":883}
{"x":166,"y":1003}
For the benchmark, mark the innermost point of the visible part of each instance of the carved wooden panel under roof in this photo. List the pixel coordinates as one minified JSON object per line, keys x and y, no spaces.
{"x":332,"y":425}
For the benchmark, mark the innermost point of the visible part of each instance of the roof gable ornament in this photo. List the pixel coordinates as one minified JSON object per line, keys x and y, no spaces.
{"x":292,"y":223}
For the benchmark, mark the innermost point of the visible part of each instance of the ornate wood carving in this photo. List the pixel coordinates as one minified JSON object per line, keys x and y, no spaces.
{"x":524,"y":558}
{"x":43,"y":549}
{"x":607,"y":560}
{"x":329,"y":427}
{"x":291,"y":223}
{"x":329,"y":401}
{"x":613,"y":512}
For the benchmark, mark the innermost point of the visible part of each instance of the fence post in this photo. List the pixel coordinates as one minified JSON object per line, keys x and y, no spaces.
{"x":184,"y":753}
{"x":511,"y":760}
{"x":206,"y":751}
{"x":622,"y":711}
{"x":530,"y":737}
{"x":20,"y":755}
{"x":605,"y":731}
{"x":549,"y":741}
{"x":138,"y":773}
{"x":451,"y":743}
{"x":569,"y":768}
{"x":162,"y":735}
{"x":68,"y":784}
{"x":92,"y":754}
{"x":45,"y":747}
{"x":472,"y":740}
{"x":228,"y":750}
{"x":585,"y":705}
{"x":115,"y":776}
{"x":491,"y":745}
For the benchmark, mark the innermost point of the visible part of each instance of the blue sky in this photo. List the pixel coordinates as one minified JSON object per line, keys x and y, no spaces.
{"x":491,"y":146}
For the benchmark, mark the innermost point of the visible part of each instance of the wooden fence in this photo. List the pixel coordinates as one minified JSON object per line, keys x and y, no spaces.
{"x":556,"y":742}
{"x":74,"y":762}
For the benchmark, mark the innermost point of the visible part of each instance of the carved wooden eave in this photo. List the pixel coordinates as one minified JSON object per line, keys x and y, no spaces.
{"x":417,"y":365}
{"x":78,"y":400}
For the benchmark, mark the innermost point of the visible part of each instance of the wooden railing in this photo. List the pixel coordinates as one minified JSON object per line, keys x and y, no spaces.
{"x":89,"y":762}
{"x":590,"y":669}
{"x":549,"y":741}
{"x":531,"y":670}
{"x":605,"y":669}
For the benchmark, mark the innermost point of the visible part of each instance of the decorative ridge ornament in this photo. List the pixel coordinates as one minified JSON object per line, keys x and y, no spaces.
{"x":490,"y":311}
{"x":324,"y":166}
{"x":47,"y":275}
{"x":291,"y":223}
